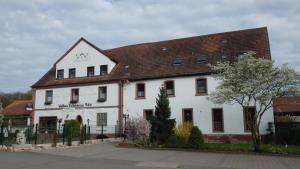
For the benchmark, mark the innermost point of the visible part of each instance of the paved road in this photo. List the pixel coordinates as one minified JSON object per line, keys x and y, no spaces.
{"x":107,"y":156}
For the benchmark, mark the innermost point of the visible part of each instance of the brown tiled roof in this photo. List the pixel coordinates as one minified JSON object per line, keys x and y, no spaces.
{"x":18,"y":107}
{"x":287,"y":105}
{"x":150,"y":60}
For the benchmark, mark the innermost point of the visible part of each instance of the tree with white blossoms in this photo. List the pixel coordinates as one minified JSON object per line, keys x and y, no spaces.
{"x":138,"y":130}
{"x":253,"y":82}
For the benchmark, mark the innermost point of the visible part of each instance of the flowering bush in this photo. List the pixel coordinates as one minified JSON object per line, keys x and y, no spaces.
{"x":138,"y":130}
{"x":183,"y":131}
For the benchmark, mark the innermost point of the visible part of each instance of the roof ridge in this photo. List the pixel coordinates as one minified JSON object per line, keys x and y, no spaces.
{"x":199,"y":36}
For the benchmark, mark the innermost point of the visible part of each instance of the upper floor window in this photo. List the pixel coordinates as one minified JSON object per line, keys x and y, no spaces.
{"x":49,"y":97}
{"x":74,"y":95}
{"x":90,"y":71}
{"x":72,"y":73}
{"x":140,"y":90}
{"x":217,"y":119}
{"x":249,"y":113}
{"x":103,"y":69}
{"x":201,"y":86}
{"x":60,"y":74}
{"x":170,"y":88}
{"x":102,"y":94}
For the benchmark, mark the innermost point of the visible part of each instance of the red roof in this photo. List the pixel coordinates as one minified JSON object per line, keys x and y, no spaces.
{"x":287,"y":105}
{"x":18,"y":107}
{"x":154,"y":60}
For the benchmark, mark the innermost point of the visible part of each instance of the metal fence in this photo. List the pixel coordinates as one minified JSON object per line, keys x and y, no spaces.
{"x":36,"y":134}
{"x":285,"y":132}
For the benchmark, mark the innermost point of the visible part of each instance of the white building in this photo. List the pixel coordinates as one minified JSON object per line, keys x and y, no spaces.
{"x":99,"y":86}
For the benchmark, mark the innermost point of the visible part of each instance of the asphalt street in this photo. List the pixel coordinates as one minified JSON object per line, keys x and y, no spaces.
{"x":107,"y":156}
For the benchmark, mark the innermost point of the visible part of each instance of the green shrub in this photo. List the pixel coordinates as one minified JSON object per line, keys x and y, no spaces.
{"x":176,"y":142}
{"x":196,"y":138}
{"x":72,"y":130}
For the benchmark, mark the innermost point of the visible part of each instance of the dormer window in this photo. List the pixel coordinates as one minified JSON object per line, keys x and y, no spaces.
{"x":240,"y":54}
{"x":72,"y":73}
{"x":60,"y":74}
{"x":177,"y":61}
{"x":201,"y":60}
{"x":90,"y":71}
{"x":103,"y":70}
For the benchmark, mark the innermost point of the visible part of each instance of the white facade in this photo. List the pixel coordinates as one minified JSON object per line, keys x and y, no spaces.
{"x":88,"y":104}
{"x":83,"y":55}
{"x":185,"y":98}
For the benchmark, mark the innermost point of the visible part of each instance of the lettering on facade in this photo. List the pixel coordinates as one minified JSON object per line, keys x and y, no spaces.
{"x":81,"y":57}
{"x":75,"y":105}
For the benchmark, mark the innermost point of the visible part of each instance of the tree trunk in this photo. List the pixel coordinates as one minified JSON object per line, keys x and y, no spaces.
{"x":256,"y":136}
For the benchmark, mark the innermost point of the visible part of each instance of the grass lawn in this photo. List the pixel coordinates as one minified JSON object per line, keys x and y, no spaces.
{"x":266,"y":148}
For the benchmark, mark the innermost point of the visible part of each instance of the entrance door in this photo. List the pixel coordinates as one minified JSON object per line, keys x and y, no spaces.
{"x":48,"y":123}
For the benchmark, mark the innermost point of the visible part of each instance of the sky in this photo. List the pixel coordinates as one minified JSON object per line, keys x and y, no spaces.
{"x":34,"y":34}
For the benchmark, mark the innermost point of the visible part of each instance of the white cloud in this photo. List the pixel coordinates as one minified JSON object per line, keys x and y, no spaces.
{"x":36,"y":33}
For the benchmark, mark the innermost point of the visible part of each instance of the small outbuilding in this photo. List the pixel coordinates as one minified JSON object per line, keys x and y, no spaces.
{"x":18,"y":112}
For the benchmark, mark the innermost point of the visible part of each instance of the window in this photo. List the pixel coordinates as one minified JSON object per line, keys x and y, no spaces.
{"x":248,"y":117}
{"x":60,"y":74}
{"x":102,"y":94}
{"x":49,"y":97}
{"x":72,"y":73}
{"x":170,"y":88}
{"x":74,"y":95}
{"x":90,"y":71}
{"x":201,"y":60}
{"x":217,"y":120}
{"x":140,"y":90}
{"x":187,"y":115}
{"x":101,"y":119}
{"x":47,"y":124}
{"x":201,"y":86}
{"x":148,"y":114}
{"x":177,"y":61}
{"x":103,"y":69}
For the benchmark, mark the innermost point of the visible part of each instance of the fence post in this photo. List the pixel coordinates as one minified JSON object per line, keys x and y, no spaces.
{"x":36,"y":134}
{"x":89,"y":132}
{"x":85,"y":132}
{"x":1,"y":135}
{"x":28,"y":133}
{"x":102,"y":132}
{"x":63,"y":136}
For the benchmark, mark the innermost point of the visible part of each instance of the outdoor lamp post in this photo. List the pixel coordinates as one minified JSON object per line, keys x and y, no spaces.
{"x":59,"y":122}
{"x":89,"y":132}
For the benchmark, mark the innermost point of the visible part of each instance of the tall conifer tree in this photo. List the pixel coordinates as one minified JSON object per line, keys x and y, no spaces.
{"x":161,"y":124}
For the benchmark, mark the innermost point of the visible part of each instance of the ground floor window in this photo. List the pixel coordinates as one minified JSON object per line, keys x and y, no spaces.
{"x":217,"y":119}
{"x":187,"y":115}
{"x":101,"y":119}
{"x":249,"y":113}
{"x":148,"y":114}
{"x":47,"y":123}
